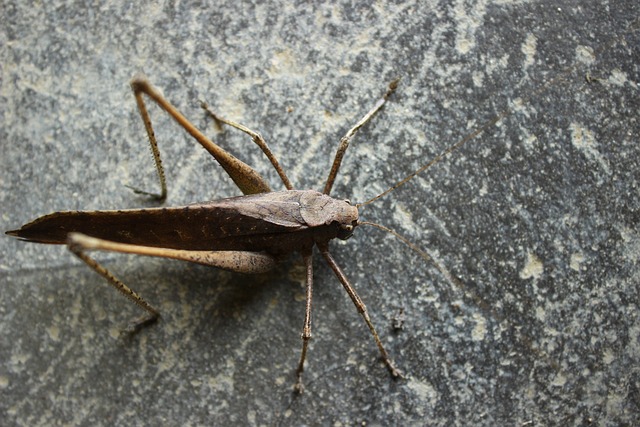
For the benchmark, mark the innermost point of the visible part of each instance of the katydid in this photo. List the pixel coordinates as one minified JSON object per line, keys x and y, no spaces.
{"x":247,"y":234}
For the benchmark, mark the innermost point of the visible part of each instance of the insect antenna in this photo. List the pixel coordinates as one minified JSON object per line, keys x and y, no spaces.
{"x":424,"y":255}
{"x":458,"y":283}
{"x":518,"y":102}
{"x":439,"y":157}
{"x":406,"y":241}
{"x":346,"y":139}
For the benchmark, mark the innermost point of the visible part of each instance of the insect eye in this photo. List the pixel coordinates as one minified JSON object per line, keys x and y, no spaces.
{"x":345,"y":231}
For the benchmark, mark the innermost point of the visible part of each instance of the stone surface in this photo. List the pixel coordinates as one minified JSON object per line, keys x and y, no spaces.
{"x":531,"y":317}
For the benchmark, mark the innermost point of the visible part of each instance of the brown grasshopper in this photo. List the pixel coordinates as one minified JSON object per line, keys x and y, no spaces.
{"x":247,"y":234}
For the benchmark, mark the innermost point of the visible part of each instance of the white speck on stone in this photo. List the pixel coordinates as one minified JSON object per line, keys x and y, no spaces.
{"x":618,"y":78}
{"x":423,"y":390}
{"x":576,"y":260}
{"x":585,"y":55}
{"x":480,"y":330}
{"x":251,"y":417}
{"x":533,"y":267}
{"x":403,"y":216}
{"x":467,"y":22}
{"x":560,"y":380}
{"x":54,"y":333}
{"x":608,"y":357}
{"x":631,"y":243}
{"x":484,"y":189}
{"x":584,"y":140}
{"x":529,"y":49}
{"x":529,"y":141}
{"x":478,"y":79}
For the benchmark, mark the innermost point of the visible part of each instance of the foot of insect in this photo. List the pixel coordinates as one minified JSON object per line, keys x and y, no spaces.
{"x":395,"y":373}
{"x":139,"y":324}
{"x":155,"y":197}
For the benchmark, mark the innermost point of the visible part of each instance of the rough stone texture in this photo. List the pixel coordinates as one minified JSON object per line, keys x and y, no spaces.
{"x":533,"y":318}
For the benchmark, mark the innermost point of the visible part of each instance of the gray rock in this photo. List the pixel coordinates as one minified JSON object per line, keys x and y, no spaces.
{"x":529,"y":314}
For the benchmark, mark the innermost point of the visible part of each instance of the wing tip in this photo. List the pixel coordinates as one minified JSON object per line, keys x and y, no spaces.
{"x":13,"y":233}
{"x":23,"y":235}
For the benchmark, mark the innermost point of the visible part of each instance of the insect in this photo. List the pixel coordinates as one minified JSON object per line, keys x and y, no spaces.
{"x":247,"y":234}
{"x":240,"y":249}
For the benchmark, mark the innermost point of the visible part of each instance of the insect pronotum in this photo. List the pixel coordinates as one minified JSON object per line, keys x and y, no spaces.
{"x":247,"y":234}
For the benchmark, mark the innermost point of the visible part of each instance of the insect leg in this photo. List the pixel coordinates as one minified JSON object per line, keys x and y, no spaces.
{"x":344,"y":142}
{"x":324,"y":250}
{"x":244,"y":262}
{"x":306,"y":329}
{"x":77,"y":247}
{"x":248,"y":180}
{"x":257,"y":138}
{"x":238,"y":261}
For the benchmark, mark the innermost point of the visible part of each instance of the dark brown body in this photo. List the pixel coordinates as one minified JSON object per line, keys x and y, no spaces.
{"x":246,"y":234}
{"x":277,"y":223}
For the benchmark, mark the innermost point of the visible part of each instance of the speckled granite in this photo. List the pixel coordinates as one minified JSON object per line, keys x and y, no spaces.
{"x":533,"y":318}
